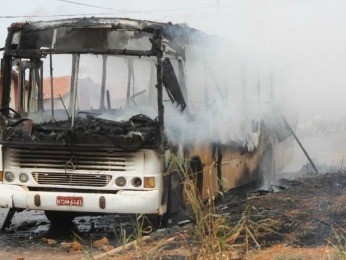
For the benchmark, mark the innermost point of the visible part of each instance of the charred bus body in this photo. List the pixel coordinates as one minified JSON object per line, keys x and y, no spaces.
{"x":103,"y":141}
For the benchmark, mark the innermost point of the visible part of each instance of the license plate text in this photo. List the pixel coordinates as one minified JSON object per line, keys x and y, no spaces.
{"x":69,"y":201}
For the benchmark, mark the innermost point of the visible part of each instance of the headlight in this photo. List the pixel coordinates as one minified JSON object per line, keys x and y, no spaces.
{"x":120,"y":181}
{"x":23,"y":177}
{"x":136,"y":182}
{"x":9,"y":176}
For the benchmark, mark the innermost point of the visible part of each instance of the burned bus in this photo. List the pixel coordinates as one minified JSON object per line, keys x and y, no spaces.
{"x":94,"y":111}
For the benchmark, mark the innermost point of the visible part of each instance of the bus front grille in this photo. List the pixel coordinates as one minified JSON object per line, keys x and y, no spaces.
{"x":71,"y":179}
{"x":77,"y":167}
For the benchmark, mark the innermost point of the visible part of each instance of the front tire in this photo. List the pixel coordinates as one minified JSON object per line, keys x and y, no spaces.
{"x":59,"y":217}
{"x":185,"y":188}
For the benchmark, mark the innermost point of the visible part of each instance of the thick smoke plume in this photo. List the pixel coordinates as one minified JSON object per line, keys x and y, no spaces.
{"x":306,"y":35}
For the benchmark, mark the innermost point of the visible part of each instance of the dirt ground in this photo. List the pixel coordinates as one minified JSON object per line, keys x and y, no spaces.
{"x":302,"y":218}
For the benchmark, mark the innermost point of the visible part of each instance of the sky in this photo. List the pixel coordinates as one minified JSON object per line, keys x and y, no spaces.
{"x":307,"y":36}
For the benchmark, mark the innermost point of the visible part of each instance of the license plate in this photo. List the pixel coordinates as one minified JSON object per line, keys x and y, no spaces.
{"x":69,"y":201}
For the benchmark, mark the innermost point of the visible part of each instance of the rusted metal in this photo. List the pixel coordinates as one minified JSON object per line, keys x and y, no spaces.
{"x":157,"y":40}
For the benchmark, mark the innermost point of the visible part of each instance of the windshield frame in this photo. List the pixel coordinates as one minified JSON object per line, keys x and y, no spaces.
{"x":162,"y":46}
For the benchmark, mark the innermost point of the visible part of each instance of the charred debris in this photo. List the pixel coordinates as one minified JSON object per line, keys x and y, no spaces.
{"x":139,"y":131}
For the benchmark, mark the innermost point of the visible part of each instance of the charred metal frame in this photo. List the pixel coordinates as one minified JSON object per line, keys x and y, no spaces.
{"x":28,"y":43}
{"x":158,"y":46}
{"x":176,"y":36}
{"x":6,"y":76}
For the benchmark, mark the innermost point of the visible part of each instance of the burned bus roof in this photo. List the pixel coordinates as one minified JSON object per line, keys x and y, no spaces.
{"x":180,"y":33}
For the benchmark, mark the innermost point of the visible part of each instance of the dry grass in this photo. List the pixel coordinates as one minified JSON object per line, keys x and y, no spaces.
{"x":221,"y":236}
{"x":215,"y":237}
{"x":337,"y":242}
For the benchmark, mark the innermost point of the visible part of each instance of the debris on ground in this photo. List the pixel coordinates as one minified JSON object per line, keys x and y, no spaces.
{"x":305,"y":219}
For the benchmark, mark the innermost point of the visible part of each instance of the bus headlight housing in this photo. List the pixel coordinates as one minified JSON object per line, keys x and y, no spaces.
{"x":136,"y":182}
{"x":23,"y":177}
{"x":120,"y":181}
{"x":9,"y":176}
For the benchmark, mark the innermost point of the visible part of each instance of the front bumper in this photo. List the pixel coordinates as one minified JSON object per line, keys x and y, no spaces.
{"x":124,"y":201}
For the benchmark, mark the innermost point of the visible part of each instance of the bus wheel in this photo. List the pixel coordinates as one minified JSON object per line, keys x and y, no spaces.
{"x":59,"y":217}
{"x":149,"y":222}
{"x":185,"y":189}
{"x":175,"y":194}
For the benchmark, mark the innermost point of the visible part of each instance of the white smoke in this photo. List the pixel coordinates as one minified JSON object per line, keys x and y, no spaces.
{"x":306,"y":35}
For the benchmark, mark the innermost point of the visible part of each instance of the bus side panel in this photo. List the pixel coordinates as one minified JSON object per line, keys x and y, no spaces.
{"x":233,"y":172}
{"x":209,"y":170}
{"x":210,"y":183}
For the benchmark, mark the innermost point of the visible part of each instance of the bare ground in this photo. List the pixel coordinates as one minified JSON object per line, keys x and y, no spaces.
{"x":296,"y":219}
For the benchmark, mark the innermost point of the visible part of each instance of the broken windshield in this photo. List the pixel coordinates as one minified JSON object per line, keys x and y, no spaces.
{"x":105,"y":99}
{"x":112,"y":87}
{"x":104,"y":78}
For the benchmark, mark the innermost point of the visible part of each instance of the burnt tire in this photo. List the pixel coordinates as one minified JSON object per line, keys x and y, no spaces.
{"x":59,"y":217}
{"x":191,"y":180}
{"x":156,"y":221}
{"x":175,"y":195}
{"x":149,"y":222}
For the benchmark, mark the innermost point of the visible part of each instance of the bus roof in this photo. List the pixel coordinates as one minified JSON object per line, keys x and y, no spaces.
{"x":178,"y":33}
